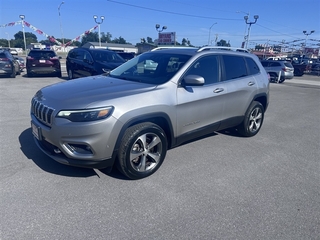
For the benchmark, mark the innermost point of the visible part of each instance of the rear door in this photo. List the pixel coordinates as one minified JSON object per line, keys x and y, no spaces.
{"x":241,"y":86}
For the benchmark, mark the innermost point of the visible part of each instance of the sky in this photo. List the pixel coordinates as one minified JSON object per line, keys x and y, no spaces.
{"x":199,"y":21}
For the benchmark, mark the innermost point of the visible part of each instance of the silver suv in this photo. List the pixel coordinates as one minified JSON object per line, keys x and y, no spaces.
{"x":151,"y":103}
{"x":278,"y":70}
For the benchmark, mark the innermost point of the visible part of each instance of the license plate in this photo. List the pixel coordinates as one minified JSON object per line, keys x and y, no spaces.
{"x":42,"y":61}
{"x":35,"y":131}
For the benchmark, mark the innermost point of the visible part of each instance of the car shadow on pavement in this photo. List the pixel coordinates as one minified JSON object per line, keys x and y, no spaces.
{"x":31,"y":151}
{"x":24,"y":75}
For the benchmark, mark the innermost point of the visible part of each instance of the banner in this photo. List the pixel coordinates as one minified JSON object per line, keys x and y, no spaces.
{"x":80,"y":36}
{"x":50,"y":38}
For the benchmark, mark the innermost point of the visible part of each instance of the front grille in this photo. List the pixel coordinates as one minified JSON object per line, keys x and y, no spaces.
{"x":42,"y":112}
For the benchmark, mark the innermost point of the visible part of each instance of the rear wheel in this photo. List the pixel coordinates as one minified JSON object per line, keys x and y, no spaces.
{"x":282,"y":79}
{"x":253,"y":120}
{"x":142,"y":150}
{"x":29,"y":74}
{"x":59,"y":74}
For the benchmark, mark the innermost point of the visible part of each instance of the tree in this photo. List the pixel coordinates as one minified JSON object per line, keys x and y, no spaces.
{"x":4,"y":42}
{"x":19,"y":35}
{"x":223,"y":43}
{"x":90,"y":37}
{"x":120,"y":40}
{"x":19,"y":40}
{"x":149,"y":40}
{"x":106,"y":37}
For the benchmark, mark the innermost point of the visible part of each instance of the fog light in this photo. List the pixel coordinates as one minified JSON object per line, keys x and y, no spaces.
{"x":79,"y":148}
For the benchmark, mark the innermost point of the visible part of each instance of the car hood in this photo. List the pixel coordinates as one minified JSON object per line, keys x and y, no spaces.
{"x":85,"y":92}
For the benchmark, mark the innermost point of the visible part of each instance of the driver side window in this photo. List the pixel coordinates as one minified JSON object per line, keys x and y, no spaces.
{"x":206,"y":67}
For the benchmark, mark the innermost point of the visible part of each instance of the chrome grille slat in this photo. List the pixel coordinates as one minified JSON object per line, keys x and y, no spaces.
{"x":42,"y":112}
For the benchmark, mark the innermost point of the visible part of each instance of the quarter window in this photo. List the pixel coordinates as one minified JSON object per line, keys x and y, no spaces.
{"x":252,"y":66}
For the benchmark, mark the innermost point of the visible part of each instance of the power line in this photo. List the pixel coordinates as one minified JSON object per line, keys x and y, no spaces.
{"x":175,"y":13}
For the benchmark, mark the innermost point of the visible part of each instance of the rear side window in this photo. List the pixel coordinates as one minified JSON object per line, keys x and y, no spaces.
{"x":275,"y":64}
{"x":105,"y":56}
{"x":79,"y":55}
{"x":287,"y":64}
{"x":252,"y":66}
{"x":234,"y":66}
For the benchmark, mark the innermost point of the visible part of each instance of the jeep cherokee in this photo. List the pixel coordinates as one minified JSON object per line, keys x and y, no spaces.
{"x":156,"y":101}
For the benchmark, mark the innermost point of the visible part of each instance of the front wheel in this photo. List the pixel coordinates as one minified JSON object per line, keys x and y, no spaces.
{"x":70,"y":74}
{"x":142,"y":150}
{"x":13,"y":74}
{"x":252,"y":121}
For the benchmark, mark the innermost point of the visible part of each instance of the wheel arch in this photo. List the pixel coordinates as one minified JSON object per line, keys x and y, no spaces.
{"x":159,"y":118}
{"x":263,"y":99}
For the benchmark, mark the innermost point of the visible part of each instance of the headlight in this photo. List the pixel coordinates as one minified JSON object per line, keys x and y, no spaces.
{"x":86,"y":115}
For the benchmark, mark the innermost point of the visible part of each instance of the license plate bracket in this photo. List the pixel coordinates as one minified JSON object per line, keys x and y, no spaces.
{"x":36,"y":131}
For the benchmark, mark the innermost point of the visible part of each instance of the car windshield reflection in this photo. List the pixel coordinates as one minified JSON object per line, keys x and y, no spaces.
{"x":150,"y":68}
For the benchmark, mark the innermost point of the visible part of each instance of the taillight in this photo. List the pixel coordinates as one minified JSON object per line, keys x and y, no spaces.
{"x":30,"y":58}
{"x":54,"y":58}
{"x":4,"y":59}
{"x":284,"y":69}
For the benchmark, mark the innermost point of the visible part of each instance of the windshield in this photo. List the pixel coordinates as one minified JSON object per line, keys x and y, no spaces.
{"x":151,"y":67}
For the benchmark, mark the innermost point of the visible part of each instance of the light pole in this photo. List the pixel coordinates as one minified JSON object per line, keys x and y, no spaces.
{"x":210,"y":33}
{"x":250,"y":23}
{"x":61,"y":26}
{"x":160,"y":30}
{"x":245,"y":29}
{"x":24,"y":35}
{"x":8,"y":39}
{"x":305,"y":41}
{"x":95,"y":19}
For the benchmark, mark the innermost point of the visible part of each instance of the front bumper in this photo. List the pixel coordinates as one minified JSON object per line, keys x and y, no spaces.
{"x":49,"y":150}
{"x":89,"y":144}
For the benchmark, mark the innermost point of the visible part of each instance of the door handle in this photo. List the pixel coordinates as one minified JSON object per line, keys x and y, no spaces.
{"x":217,"y":90}
{"x":251,"y":83}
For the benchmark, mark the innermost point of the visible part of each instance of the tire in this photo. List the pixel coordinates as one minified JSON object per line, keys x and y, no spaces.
{"x":282,"y":79}
{"x":273,"y":77}
{"x":29,"y":74}
{"x":13,"y":74}
{"x":136,"y":158}
{"x":253,"y":120}
{"x":70,"y":74}
{"x":59,"y":75}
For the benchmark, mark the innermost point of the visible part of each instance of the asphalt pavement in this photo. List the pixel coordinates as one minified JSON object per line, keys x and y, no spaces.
{"x":219,"y":187}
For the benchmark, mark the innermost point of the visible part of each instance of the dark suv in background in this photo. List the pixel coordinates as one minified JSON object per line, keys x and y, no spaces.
{"x":8,"y":65}
{"x":43,"y":62}
{"x":83,"y":62}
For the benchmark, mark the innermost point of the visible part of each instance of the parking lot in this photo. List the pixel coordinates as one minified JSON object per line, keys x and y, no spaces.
{"x":219,"y":187}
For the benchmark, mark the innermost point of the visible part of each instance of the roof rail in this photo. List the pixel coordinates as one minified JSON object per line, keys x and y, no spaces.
{"x":223,"y":48}
{"x":168,"y":47}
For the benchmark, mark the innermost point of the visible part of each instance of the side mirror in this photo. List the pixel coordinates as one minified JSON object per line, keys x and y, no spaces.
{"x":193,"y":80}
